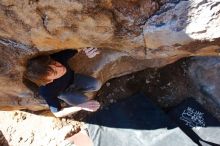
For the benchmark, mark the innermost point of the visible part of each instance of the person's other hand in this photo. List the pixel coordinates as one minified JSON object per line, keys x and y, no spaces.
{"x":91,"y":52}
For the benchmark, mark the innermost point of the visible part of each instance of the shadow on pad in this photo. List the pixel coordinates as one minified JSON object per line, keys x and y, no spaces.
{"x":134,"y":121}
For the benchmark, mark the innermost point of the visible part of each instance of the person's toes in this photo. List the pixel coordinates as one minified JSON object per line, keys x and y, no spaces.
{"x":91,"y":106}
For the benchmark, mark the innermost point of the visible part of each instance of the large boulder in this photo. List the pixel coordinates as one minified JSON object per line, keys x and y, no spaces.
{"x":204,"y":72}
{"x":51,"y":25}
{"x":183,"y":28}
{"x":131,"y":34}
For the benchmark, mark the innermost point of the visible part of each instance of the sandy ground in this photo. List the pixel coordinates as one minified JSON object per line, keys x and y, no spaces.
{"x":21,"y":128}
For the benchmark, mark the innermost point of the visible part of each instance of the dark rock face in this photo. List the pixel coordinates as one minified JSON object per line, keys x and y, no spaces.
{"x":132,"y":35}
{"x":205,"y":74}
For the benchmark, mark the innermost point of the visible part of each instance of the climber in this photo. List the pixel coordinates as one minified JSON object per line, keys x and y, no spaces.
{"x":56,"y":80}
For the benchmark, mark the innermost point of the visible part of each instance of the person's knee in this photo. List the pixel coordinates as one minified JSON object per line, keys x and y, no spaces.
{"x":98,"y":85}
{"x":62,"y":96}
{"x":73,"y":98}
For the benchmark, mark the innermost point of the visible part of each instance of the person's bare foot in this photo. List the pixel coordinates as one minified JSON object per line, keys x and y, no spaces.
{"x":91,"y":106}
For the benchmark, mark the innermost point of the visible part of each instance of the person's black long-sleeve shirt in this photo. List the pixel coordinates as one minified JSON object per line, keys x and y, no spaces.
{"x":51,"y":91}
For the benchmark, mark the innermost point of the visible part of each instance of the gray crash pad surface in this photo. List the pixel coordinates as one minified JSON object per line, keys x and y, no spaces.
{"x":135,"y":121}
{"x":197,"y":123}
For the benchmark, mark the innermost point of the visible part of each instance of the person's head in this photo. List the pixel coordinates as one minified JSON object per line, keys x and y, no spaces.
{"x":43,"y":70}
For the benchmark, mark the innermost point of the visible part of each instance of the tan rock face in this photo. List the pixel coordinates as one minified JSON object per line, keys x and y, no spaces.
{"x":13,"y":58}
{"x":50,"y":25}
{"x":131,"y":34}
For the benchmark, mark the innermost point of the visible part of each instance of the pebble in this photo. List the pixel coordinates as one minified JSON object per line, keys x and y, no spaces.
{"x":111,"y":100}
{"x":147,"y":81}
{"x":108,"y":84}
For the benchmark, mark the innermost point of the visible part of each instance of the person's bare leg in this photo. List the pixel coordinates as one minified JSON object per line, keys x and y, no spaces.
{"x":80,"y":139}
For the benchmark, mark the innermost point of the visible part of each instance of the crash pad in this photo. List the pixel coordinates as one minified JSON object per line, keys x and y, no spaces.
{"x":196,"y":122}
{"x":134,"y":121}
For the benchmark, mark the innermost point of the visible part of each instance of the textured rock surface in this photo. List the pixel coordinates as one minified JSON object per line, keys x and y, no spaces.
{"x":131,"y":34}
{"x":184,"y":28}
{"x":205,"y":72}
{"x":196,"y":77}
{"x":157,"y":32}
{"x":52,"y":24}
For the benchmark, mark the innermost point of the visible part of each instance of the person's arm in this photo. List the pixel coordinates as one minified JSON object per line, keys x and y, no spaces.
{"x":79,"y":139}
{"x":67,"y":111}
{"x":91,"y":106}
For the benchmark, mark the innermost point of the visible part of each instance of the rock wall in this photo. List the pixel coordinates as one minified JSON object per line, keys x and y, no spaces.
{"x":53,"y":24}
{"x":132,"y":35}
{"x":183,"y":28}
